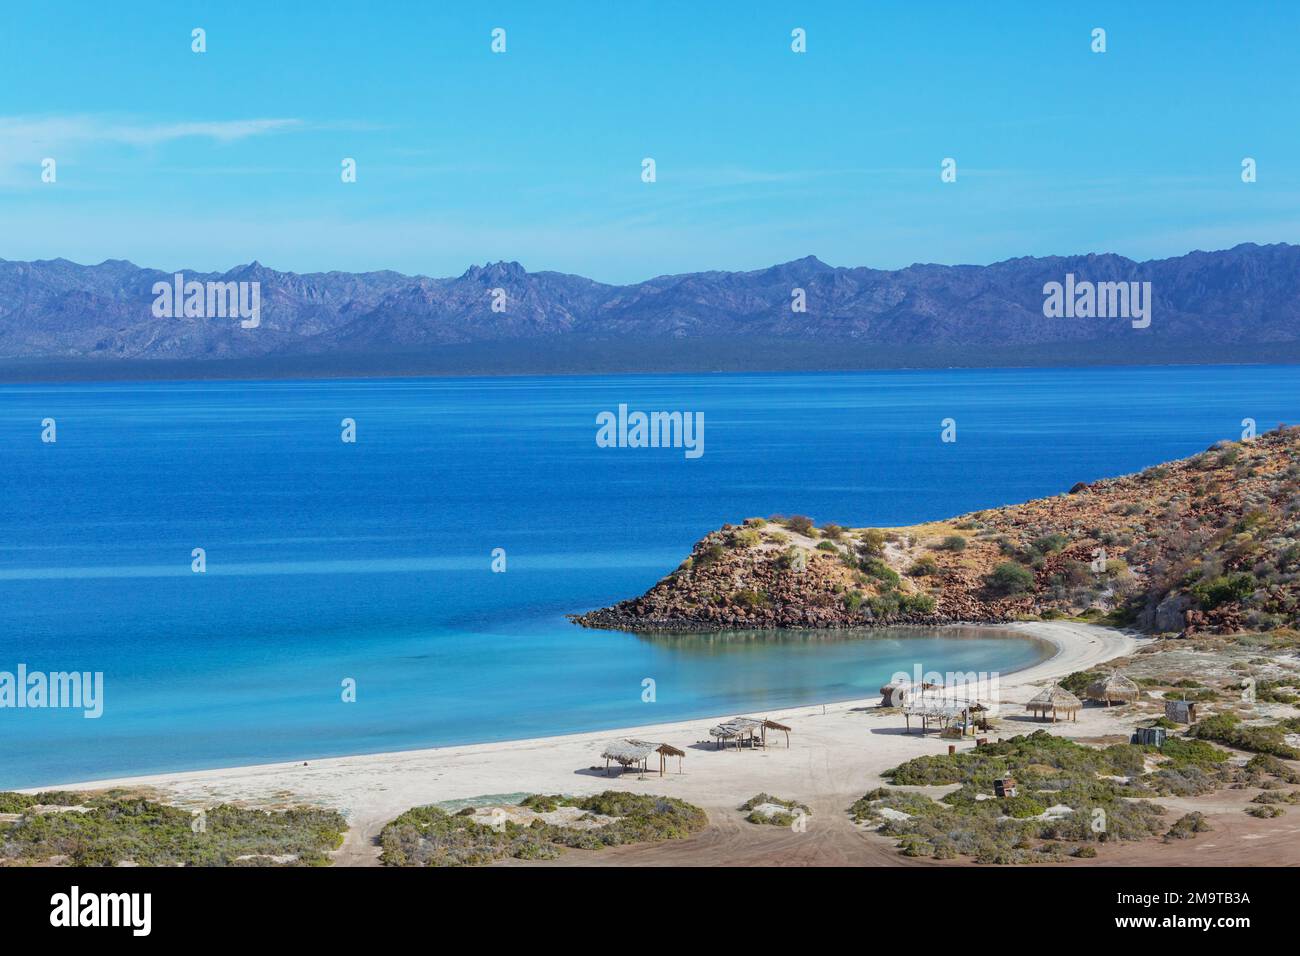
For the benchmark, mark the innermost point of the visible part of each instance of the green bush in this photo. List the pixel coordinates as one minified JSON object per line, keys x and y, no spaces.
{"x":751,"y":598}
{"x":1187,"y":826}
{"x":1079,"y":681}
{"x":916,"y":604}
{"x":1224,"y":589}
{"x":146,"y":833}
{"x":871,"y":543}
{"x":429,"y":836}
{"x":1228,"y":729}
{"x":800,"y":524}
{"x":1048,"y":770}
{"x":776,"y":819}
{"x":924,"y":567}
{"x":1022,"y":807}
{"x":1009,"y":579}
{"x":1049,"y":543}
{"x":878,"y":569}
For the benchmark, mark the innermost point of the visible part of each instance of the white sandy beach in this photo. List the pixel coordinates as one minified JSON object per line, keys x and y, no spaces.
{"x":837,"y":753}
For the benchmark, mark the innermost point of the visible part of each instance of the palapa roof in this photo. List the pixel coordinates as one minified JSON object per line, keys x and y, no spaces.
{"x":1055,"y":697}
{"x":743,"y":725}
{"x":627,"y":750}
{"x":950,"y":707}
{"x":1113,"y":687}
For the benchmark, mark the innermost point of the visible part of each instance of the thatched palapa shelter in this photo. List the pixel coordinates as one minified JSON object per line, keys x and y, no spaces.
{"x":1113,"y":688}
{"x":944,"y":712}
{"x":1055,"y":700}
{"x":738,"y":728}
{"x":900,"y":693}
{"x":630,"y":753}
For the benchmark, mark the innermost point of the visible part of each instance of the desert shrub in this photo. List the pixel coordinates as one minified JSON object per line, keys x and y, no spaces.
{"x":1272,"y":766}
{"x":1048,"y":769}
{"x":745,"y":538}
{"x":916,"y":604}
{"x":800,"y":524}
{"x":793,"y":808}
{"x":751,"y":598}
{"x":1184,"y":781}
{"x":953,"y":542}
{"x":1049,"y":543}
{"x":878,"y":569}
{"x":146,"y":833}
{"x":1273,"y":692}
{"x":1265,"y":812}
{"x":1228,"y":729}
{"x":1022,"y":807}
{"x":1187,"y":826}
{"x":709,"y":554}
{"x":1195,"y":694}
{"x":1273,"y":797}
{"x":1079,"y":681}
{"x":1223,"y":589}
{"x":429,"y":836}
{"x":827,"y":546}
{"x":924,"y":567}
{"x":1189,"y":752}
{"x":871,"y":543}
{"x":885,"y":604}
{"x":1010,"y":579}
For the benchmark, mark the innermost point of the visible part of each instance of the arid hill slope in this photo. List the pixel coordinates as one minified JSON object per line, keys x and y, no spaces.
{"x":1209,"y":543}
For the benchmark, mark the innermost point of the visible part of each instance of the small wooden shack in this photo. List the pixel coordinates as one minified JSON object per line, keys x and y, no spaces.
{"x":1057,"y":701}
{"x":740,"y":729}
{"x":1181,"y":711}
{"x":1149,"y":736}
{"x":630,"y":753}
{"x":1113,"y":688}
{"x":1004,"y":787}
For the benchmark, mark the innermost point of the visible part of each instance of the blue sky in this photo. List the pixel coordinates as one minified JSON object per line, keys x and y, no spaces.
{"x":180,"y":160}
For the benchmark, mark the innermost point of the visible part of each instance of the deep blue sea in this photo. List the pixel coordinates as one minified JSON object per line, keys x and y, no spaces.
{"x":372,"y":560}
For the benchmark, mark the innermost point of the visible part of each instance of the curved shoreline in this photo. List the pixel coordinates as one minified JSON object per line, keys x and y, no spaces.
{"x":359,"y":783}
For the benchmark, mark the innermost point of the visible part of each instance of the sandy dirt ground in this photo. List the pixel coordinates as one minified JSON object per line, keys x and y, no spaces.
{"x":837,"y":753}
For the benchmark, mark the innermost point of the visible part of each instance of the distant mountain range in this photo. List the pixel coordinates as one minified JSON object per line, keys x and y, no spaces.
{"x":61,"y":319}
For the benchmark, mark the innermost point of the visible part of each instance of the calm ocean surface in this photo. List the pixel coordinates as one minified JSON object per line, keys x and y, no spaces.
{"x":372,"y":561}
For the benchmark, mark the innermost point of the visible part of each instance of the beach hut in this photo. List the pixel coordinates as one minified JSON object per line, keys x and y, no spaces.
{"x":1055,"y":700}
{"x":962,"y":716}
{"x":1113,"y":688}
{"x":1181,"y":711}
{"x":629,"y":753}
{"x":738,"y":729}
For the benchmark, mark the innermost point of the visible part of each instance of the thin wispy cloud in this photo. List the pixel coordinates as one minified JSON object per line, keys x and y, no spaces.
{"x":17,"y":131}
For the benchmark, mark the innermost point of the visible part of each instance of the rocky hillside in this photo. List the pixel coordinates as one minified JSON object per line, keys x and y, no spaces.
{"x":1209,"y":543}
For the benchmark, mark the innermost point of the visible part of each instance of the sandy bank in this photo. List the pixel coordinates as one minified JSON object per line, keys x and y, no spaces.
{"x":838,"y":751}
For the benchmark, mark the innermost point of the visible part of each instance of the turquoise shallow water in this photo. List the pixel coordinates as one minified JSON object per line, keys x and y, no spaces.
{"x":372,"y":561}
